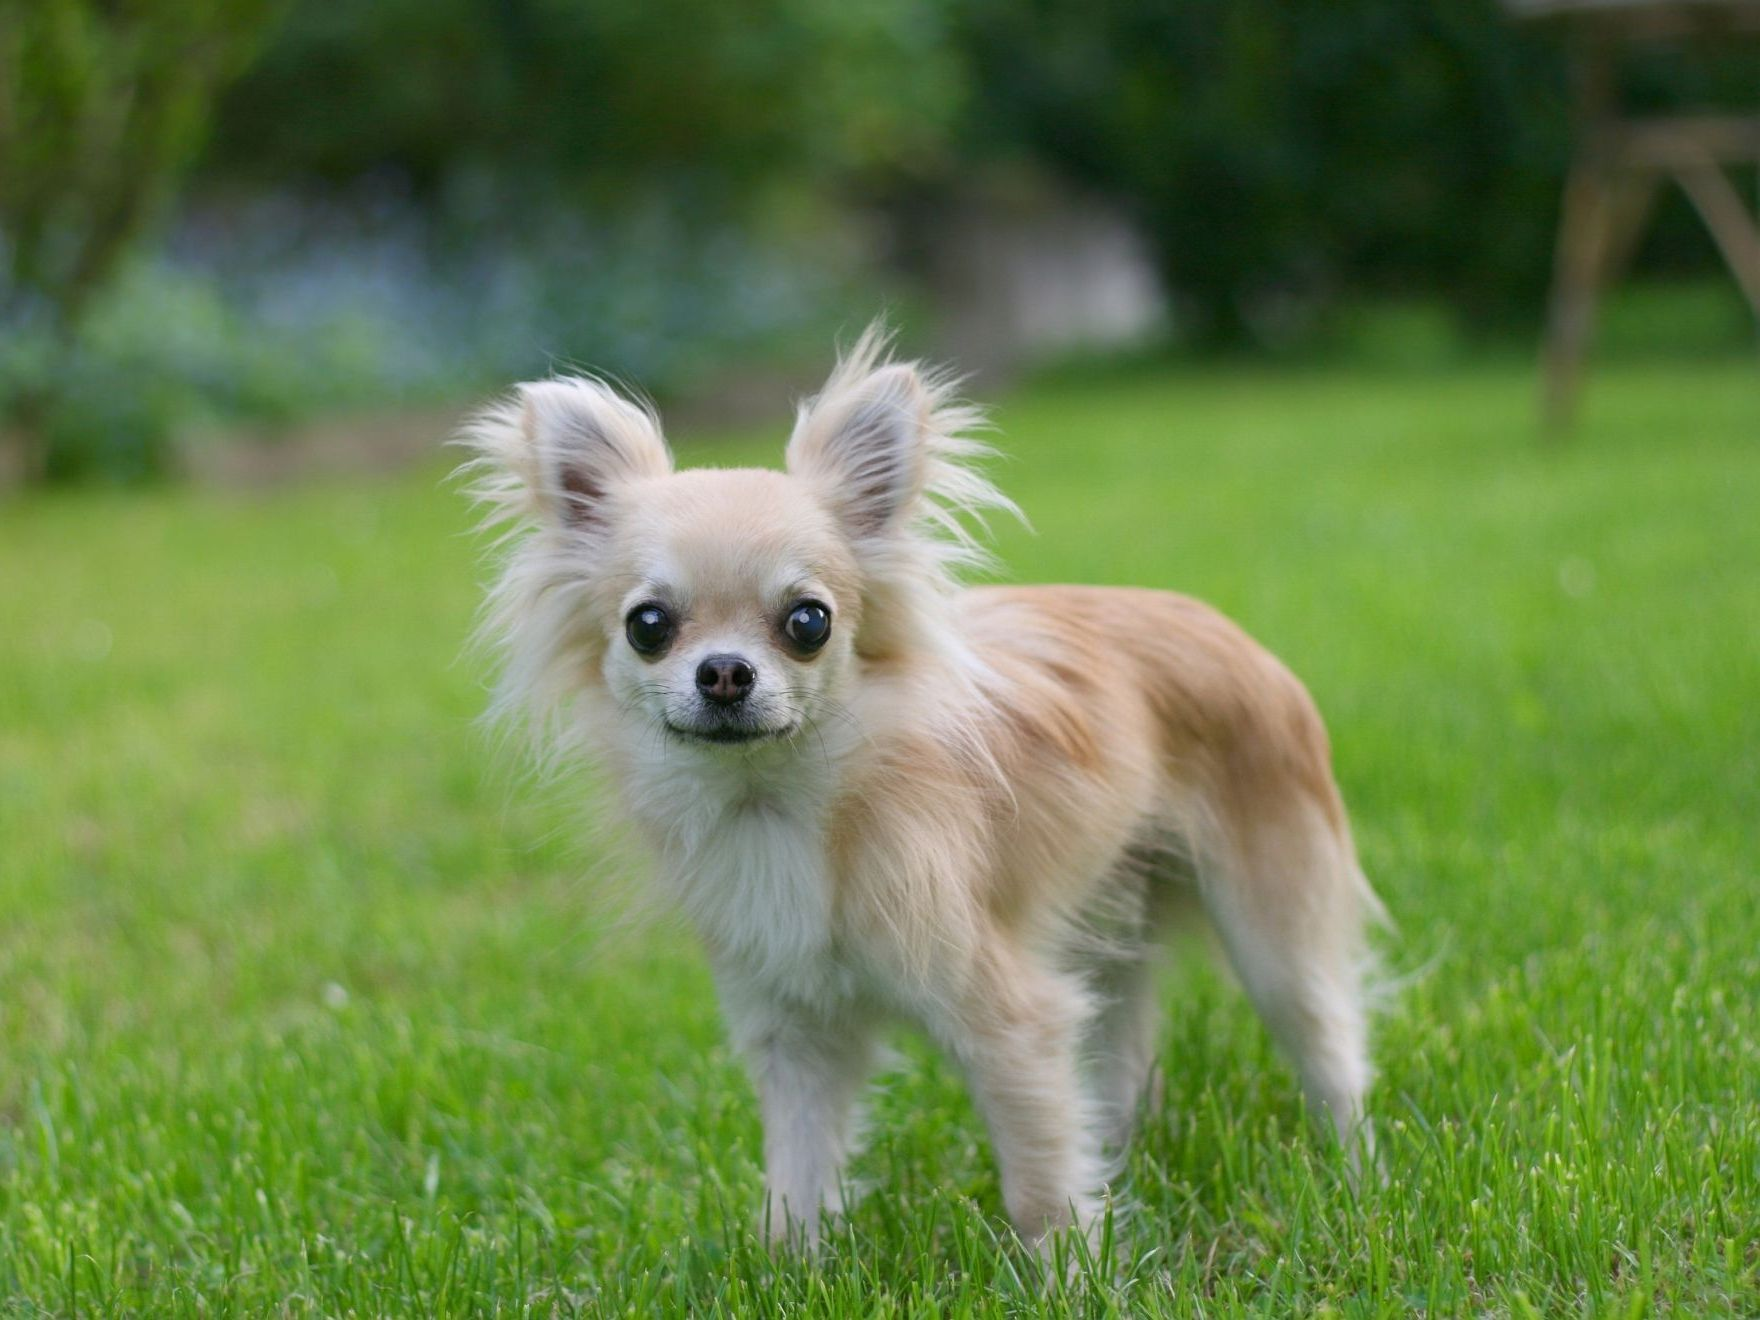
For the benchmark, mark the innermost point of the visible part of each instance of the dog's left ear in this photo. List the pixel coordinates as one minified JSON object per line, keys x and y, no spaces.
{"x":864,"y":440}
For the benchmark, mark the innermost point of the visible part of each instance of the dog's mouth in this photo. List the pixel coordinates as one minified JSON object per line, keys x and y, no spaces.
{"x":729,"y":735}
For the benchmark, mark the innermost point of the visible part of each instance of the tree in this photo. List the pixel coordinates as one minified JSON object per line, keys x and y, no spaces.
{"x":102,"y":105}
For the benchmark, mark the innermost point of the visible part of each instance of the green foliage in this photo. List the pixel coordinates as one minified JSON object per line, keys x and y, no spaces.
{"x":1278,"y":152}
{"x":674,"y":130}
{"x":1283,"y":157}
{"x":308,"y":1010}
{"x":1282,"y":154}
{"x":162,"y":349}
{"x":101,"y":107}
{"x":706,"y":102}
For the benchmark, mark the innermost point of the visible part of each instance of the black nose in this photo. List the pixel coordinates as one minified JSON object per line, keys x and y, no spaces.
{"x":724,"y":679}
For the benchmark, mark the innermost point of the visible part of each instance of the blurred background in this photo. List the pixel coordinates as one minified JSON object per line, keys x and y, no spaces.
{"x":226,"y":223}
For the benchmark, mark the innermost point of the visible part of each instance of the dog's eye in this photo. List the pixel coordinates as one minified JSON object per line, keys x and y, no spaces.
{"x":808,"y":625}
{"x":648,"y":628}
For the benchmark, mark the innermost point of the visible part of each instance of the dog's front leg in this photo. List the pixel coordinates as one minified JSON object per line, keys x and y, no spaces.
{"x":1017,"y":1035}
{"x":808,"y":1070}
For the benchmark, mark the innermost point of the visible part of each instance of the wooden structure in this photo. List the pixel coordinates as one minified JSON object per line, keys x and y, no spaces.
{"x":1620,"y":160}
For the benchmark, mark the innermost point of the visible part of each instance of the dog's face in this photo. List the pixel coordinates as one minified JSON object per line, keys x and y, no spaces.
{"x":736,"y":605}
{"x":725,"y":608}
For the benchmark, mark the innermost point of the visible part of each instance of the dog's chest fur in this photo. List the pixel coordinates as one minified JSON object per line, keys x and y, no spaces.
{"x":744,"y":849}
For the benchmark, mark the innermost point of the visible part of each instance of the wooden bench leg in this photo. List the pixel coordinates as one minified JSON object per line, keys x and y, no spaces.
{"x":1726,"y":216}
{"x":1604,"y":213}
{"x":1582,"y":242}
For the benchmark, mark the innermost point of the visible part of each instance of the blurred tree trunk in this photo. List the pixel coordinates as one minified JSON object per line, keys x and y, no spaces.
{"x":102,"y":104}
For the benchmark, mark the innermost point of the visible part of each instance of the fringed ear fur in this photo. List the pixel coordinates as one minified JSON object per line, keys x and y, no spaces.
{"x":865,"y":444}
{"x":555,"y":449}
{"x":889,"y":446}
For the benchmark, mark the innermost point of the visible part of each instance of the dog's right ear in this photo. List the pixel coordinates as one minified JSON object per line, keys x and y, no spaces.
{"x":558,"y":448}
{"x":586,"y":440}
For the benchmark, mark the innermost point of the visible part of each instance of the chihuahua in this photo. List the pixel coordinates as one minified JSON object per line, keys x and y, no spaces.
{"x":878,"y":794}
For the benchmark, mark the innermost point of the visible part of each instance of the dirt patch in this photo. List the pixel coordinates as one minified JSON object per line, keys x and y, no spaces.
{"x":340,"y":445}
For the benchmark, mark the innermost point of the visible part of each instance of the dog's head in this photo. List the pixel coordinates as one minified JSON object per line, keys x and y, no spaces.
{"x":725,"y":607}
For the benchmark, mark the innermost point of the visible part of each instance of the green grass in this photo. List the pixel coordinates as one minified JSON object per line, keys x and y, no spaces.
{"x":306,"y":1006}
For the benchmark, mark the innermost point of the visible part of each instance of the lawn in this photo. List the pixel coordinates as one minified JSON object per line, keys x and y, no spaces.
{"x":307,"y":1004}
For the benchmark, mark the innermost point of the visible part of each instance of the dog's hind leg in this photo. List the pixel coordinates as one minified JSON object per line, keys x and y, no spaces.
{"x":1121,"y":1041}
{"x":1289,"y":902}
{"x":1151,"y":896}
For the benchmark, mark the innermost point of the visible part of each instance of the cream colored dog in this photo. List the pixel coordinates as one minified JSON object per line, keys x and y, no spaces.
{"x":878,"y":795}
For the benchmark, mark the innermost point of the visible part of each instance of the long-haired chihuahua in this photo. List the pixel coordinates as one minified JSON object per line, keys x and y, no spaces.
{"x":878,"y":794}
